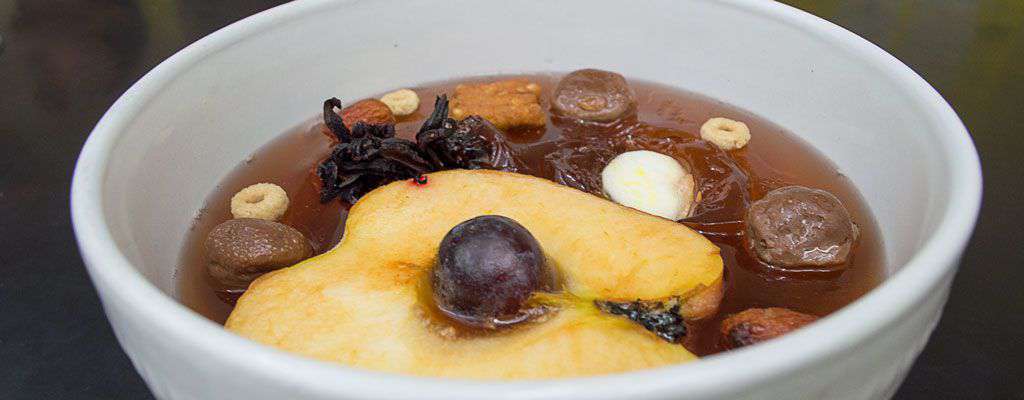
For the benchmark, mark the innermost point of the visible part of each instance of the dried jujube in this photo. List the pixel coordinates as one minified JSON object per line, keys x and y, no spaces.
{"x":756,"y":325}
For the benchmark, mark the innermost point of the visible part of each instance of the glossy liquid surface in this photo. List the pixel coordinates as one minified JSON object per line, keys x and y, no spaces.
{"x":667,"y":120}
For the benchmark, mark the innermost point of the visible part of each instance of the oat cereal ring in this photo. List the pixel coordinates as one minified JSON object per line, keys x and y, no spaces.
{"x":262,"y":200}
{"x":402,"y":102}
{"x":725,"y":133}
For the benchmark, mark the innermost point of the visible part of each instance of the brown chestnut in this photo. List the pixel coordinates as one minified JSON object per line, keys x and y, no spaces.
{"x":242,"y":249}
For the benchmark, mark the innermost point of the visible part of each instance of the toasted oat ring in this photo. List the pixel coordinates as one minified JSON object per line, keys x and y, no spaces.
{"x":262,"y":200}
{"x":725,"y":133}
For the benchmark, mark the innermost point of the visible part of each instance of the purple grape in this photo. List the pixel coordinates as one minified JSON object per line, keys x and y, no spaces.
{"x":487,"y":269}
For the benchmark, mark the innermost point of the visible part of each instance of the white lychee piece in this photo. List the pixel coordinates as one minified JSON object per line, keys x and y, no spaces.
{"x":650,"y":182}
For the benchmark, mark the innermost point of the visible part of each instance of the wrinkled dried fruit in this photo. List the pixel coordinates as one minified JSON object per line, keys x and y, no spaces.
{"x":369,"y":111}
{"x":756,"y":325}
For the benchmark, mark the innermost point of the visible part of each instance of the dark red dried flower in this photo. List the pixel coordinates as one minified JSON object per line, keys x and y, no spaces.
{"x":369,"y":156}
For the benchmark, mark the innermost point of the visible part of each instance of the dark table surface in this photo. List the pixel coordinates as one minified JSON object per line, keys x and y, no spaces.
{"x":64,"y":62}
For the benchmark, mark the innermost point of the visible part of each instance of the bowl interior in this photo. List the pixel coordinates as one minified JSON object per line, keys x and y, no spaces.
{"x":220,"y":109}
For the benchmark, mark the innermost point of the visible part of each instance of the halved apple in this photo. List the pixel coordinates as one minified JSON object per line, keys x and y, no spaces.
{"x":366,"y":303}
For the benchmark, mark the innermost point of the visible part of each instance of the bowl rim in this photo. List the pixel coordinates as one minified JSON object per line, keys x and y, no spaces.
{"x":878,"y":309}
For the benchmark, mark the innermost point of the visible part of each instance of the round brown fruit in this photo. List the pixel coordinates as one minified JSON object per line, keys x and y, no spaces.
{"x":593,"y":95}
{"x":242,"y":249}
{"x":800,"y":227}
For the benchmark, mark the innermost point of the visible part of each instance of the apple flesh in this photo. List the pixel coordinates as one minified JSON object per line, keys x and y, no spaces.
{"x":366,"y":303}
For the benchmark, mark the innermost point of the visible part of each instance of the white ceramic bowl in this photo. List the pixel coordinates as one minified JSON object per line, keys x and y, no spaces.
{"x":158,"y":152}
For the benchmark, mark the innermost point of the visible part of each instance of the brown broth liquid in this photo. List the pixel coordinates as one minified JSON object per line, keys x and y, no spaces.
{"x":772,"y":159}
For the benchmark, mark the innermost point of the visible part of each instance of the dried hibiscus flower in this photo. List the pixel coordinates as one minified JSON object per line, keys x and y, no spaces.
{"x":473,"y":143}
{"x":366,"y":157}
{"x":369,"y":156}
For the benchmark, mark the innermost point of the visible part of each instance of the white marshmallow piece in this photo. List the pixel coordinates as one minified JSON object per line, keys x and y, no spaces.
{"x":650,"y":182}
